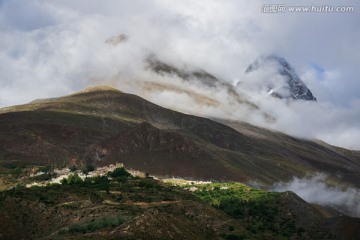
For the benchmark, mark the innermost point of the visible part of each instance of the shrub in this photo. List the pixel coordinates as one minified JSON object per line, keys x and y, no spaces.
{"x":72,"y":179}
{"x":120,"y":174}
{"x":101,"y":182}
{"x":149,"y":183}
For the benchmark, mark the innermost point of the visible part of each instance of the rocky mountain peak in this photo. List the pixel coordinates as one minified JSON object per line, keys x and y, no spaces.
{"x":292,"y":86}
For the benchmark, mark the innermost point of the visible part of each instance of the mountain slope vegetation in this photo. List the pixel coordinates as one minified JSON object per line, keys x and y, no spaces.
{"x":119,"y":206}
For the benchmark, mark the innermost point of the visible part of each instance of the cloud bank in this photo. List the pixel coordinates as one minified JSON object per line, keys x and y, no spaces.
{"x":315,"y":189}
{"x":49,"y":49}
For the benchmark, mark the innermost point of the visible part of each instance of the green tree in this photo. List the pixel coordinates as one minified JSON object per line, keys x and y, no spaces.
{"x":72,"y":179}
{"x":120,"y":174}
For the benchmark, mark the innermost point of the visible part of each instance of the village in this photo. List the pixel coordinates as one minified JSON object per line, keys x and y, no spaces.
{"x":64,"y":173}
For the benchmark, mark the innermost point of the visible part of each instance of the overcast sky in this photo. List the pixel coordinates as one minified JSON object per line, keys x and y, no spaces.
{"x":52,"y":48}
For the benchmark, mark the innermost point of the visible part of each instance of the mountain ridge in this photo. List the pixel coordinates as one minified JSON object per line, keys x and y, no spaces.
{"x":65,"y":131}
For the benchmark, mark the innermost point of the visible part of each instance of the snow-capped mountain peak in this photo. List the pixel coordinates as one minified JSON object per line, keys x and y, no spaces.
{"x":279,"y":79}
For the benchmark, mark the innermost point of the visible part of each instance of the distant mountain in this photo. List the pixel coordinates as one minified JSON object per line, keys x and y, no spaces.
{"x":196,"y":77}
{"x":102,"y":125}
{"x":292,"y":87}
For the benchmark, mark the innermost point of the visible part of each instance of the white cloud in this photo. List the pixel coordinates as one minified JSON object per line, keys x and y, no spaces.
{"x":53,"y":48}
{"x":315,"y":189}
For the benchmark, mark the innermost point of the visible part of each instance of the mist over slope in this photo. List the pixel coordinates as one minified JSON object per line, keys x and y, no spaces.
{"x":318,"y":189}
{"x":101,"y":126}
{"x":192,"y":94}
{"x":81,"y":44}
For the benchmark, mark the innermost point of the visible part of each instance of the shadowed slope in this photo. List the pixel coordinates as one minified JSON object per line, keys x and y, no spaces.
{"x":75,"y":129}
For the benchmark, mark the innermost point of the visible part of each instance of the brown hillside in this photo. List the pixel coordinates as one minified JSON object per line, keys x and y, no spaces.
{"x":73,"y":129}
